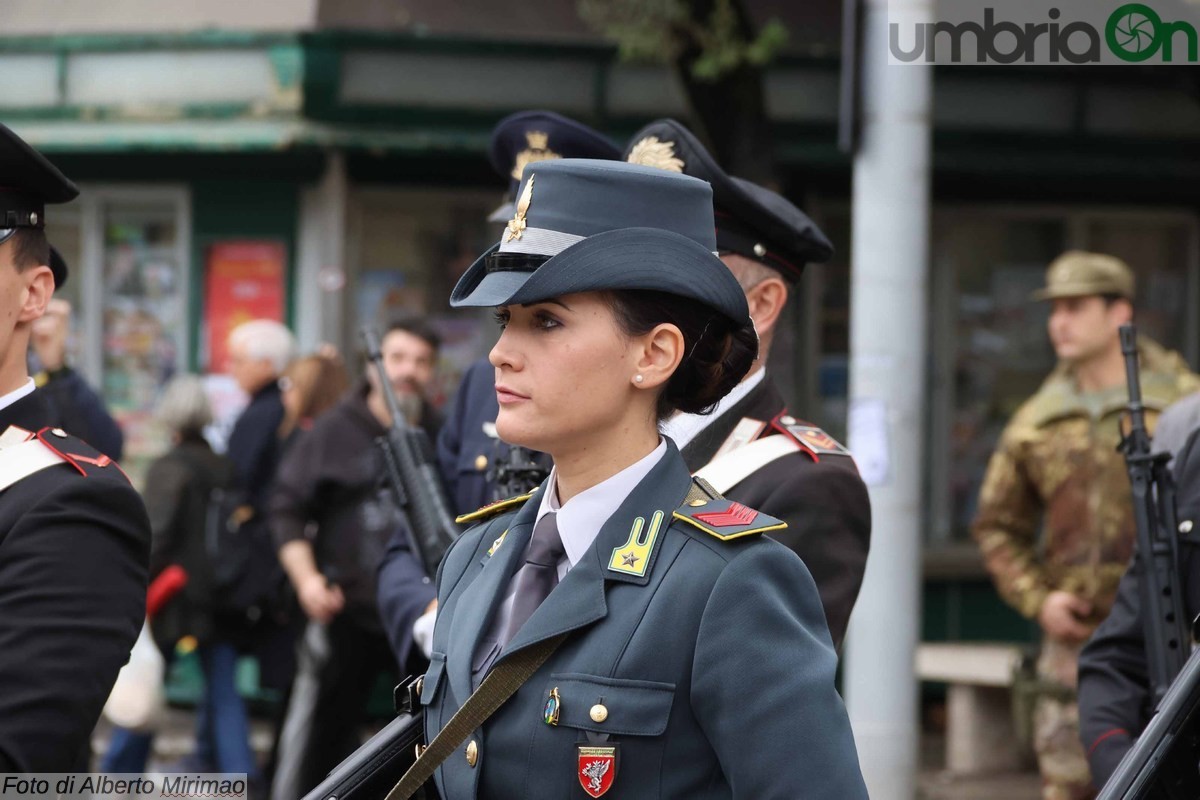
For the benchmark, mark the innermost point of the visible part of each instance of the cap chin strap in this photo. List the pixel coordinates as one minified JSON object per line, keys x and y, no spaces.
{"x":513,"y":262}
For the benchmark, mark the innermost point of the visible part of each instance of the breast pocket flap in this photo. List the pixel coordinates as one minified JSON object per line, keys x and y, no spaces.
{"x":612,"y":705}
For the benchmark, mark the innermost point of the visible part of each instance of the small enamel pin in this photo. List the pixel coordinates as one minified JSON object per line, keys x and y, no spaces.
{"x":597,"y":768}
{"x":553,"y":706}
{"x":499,"y":541}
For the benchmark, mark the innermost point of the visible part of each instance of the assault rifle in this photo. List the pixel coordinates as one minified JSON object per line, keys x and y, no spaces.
{"x":516,"y":470}
{"x":411,"y":472}
{"x":370,"y":772}
{"x":1162,"y":764}
{"x":1157,"y":559}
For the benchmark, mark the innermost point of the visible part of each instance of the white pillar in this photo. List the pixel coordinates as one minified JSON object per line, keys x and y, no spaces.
{"x":889,"y":298}
{"x":321,"y":258}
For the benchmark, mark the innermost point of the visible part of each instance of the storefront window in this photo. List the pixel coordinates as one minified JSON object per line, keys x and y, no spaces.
{"x":989,"y":346}
{"x":408,"y":249}
{"x":143,"y":317}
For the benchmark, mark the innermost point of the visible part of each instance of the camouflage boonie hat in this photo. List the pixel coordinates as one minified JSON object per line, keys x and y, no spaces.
{"x":1079,"y":274}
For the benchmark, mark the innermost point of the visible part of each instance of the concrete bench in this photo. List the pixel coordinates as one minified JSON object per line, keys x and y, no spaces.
{"x":980,"y":732}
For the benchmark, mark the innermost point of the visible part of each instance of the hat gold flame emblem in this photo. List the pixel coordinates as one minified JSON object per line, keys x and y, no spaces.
{"x":653,"y":152}
{"x":538,"y":150}
{"x":516,"y":225}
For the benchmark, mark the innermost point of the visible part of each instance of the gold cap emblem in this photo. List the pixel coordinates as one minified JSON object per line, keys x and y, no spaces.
{"x":516,"y":225}
{"x":538,"y":150}
{"x":653,"y":152}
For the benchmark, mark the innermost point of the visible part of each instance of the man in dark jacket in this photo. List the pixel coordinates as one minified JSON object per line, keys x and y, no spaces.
{"x":259,"y":351}
{"x":331,"y":484}
{"x":751,"y":447}
{"x":1115,"y":702}
{"x":74,"y":537}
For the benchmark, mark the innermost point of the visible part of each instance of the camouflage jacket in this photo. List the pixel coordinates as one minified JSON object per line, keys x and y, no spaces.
{"x":1057,"y":463}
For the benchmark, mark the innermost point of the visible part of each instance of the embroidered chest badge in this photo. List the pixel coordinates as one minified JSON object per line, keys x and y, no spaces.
{"x":633,"y":557}
{"x":597,"y":768}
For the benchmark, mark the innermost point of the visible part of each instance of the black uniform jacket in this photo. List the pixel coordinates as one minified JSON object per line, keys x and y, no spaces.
{"x":821,"y":498}
{"x":1114,"y":684}
{"x":74,"y":553}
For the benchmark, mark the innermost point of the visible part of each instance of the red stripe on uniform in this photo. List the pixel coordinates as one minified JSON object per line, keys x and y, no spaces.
{"x":1104,"y":736}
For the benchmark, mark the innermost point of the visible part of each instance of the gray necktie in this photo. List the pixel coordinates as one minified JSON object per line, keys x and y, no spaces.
{"x":538,"y":576}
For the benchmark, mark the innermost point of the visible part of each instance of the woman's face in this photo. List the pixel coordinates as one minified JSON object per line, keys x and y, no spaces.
{"x":564,"y":373}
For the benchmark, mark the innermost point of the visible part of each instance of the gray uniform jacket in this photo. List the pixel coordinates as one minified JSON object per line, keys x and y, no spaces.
{"x":705,"y":642}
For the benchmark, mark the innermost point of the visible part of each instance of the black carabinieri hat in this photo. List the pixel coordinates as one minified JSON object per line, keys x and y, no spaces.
{"x":751,"y":221}
{"x":531,"y":136}
{"x":28,"y":182}
{"x":585,"y":225}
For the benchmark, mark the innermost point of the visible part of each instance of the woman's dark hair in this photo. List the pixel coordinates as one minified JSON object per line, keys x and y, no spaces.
{"x":717,"y":352}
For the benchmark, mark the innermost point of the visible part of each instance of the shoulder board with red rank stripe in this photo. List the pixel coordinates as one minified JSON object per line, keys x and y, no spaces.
{"x":812,"y":440}
{"x":492,"y":509}
{"x":726,"y":519}
{"x":22,"y":453}
{"x":76,"y":452}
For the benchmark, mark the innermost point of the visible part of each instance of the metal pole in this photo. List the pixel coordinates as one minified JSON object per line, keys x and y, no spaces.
{"x":888,"y":344}
{"x":322,"y":256}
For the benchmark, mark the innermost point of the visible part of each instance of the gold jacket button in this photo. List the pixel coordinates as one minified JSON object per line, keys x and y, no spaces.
{"x":472,"y":753}
{"x":481,"y":462}
{"x":599,"y":713}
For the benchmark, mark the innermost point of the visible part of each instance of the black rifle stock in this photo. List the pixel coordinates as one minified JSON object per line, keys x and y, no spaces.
{"x":412,"y":474}
{"x":1157,"y":560}
{"x":1162,"y":762}
{"x":371,"y":771}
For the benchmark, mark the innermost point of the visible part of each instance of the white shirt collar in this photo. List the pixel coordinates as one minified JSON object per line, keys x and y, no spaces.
{"x":580,"y":518}
{"x":16,"y":394}
{"x":683,"y":428}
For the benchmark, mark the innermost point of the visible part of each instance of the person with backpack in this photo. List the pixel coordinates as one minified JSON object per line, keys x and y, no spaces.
{"x":184,"y":490}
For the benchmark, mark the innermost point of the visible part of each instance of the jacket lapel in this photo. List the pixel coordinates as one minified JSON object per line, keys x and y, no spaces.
{"x":579,"y":599}
{"x":477,"y":606}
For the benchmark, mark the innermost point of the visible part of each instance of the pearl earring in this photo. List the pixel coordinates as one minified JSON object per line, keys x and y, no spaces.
{"x":638,"y":379}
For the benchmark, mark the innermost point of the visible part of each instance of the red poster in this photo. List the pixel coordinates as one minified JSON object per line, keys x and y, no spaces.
{"x":243,"y":281}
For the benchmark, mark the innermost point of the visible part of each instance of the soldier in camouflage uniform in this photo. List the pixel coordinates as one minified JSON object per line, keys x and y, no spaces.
{"x":1057,"y":463}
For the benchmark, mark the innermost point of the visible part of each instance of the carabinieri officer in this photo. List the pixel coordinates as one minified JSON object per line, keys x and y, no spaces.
{"x":694,"y":658}
{"x":74,"y":537}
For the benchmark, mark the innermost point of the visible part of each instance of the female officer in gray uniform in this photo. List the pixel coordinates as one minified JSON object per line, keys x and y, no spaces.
{"x":696,"y":661}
